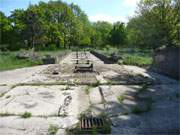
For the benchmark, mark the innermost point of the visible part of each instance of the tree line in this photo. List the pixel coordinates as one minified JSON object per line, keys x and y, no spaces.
{"x":57,"y":24}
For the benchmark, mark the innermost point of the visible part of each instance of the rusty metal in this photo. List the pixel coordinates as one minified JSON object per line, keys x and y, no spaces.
{"x":91,"y":122}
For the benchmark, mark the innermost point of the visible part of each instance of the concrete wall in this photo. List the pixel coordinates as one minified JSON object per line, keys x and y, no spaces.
{"x":166,"y":61}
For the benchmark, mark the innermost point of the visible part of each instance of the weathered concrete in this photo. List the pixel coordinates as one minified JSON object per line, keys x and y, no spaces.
{"x":167,"y":61}
{"x":38,"y":90}
{"x":15,"y":125}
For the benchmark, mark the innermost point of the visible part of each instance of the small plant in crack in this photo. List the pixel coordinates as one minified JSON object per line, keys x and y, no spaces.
{"x":121,"y":98}
{"x":87,"y":90}
{"x":136,"y":110}
{"x":2,"y":94}
{"x":67,"y":87}
{"x":5,"y":114}
{"x":8,"y":96}
{"x":96,"y":84}
{"x":26,"y":115}
{"x":52,"y":130}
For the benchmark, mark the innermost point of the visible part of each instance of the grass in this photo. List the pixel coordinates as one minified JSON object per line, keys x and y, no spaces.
{"x":137,"y":109}
{"x":87,"y":89}
{"x":9,"y":61}
{"x":52,"y":130}
{"x":2,"y":94}
{"x":137,"y":60}
{"x":121,"y":98}
{"x":96,"y":84}
{"x":5,"y":114}
{"x":130,"y":56}
{"x":26,"y":115}
{"x":8,"y":96}
{"x":67,"y":87}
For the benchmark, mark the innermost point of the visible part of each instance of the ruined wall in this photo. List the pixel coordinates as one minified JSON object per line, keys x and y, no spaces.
{"x":105,"y":59}
{"x":166,"y":61}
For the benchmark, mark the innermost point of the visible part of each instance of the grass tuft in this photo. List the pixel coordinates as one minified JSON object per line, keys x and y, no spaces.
{"x":26,"y":115}
{"x":8,"y":96}
{"x":2,"y":94}
{"x":136,"y":110}
{"x":53,"y":129}
{"x":121,"y":98}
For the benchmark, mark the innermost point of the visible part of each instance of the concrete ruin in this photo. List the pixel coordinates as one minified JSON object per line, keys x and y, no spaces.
{"x":167,"y":61}
{"x":134,"y":100}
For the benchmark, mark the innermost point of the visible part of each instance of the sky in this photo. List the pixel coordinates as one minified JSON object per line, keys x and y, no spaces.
{"x":97,"y":10}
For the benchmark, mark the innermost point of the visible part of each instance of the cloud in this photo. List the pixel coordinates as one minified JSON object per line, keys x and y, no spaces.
{"x":130,"y":3}
{"x":108,"y":18}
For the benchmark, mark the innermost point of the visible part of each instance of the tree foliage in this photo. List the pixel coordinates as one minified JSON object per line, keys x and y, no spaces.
{"x":57,"y":24}
{"x":157,"y":23}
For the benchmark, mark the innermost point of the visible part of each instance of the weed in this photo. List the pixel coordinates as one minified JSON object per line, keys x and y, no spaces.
{"x":136,"y":110}
{"x":87,"y":90}
{"x":26,"y":115}
{"x":121,"y":98}
{"x":53,"y":129}
{"x":2,"y":94}
{"x":67,"y":87}
{"x":8,"y":96}
{"x":95,"y":84}
{"x":4,"y":114}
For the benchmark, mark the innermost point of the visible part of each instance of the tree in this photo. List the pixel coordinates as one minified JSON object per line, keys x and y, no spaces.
{"x":156,"y":23}
{"x":102,"y":33}
{"x":118,"y":34}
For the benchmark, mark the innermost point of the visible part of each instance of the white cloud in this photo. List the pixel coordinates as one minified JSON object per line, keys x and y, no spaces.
{"x":108,"y":18}
{"x":130,"y":3}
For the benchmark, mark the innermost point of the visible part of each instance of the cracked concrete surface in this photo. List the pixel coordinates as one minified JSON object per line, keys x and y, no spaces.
{"x":59,"y":99}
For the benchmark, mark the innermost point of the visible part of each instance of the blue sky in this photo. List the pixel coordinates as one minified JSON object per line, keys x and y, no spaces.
{"x":107,"y":10}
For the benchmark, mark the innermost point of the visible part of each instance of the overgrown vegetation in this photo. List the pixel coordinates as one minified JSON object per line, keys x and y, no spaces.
{"x":52,"y":130}
{"x":2,"y":94}
{"x":137,"y":109}
{"x":137,"y":60}
{"x":9,"y":61}
{"x":121,"y":98}
{"x":5,"y":114}
{"x":26,"y":115}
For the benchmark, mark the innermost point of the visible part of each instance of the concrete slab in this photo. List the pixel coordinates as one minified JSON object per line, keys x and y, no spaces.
{"x":14,"y":125}
{"x":95,"y":96}
{"x":19,"y":75}
{"x":39,"y":100}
